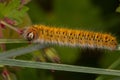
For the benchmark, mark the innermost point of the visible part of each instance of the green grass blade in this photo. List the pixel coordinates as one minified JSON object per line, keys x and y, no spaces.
{"x":61,"y":67}
{"x":13,"y":41}
{"x":112,"y":66}
{"x":20,"y":51}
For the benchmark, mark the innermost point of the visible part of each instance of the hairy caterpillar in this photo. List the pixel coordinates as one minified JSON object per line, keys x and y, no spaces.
{"x":69,"y":37}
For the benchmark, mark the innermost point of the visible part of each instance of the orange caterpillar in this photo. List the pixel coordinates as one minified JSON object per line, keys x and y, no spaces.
{"x":69,"y":37}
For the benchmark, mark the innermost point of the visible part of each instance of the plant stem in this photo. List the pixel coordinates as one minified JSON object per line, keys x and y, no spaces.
{"x":11,"y":27}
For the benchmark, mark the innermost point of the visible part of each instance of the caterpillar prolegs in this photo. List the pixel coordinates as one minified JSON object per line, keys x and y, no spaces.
{"x":69,"y":37}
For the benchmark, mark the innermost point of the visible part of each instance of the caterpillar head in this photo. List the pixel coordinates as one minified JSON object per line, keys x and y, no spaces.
{"x":30,"y":34}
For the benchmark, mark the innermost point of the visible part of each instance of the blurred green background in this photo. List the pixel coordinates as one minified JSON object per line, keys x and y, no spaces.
{"x":94,"y":15}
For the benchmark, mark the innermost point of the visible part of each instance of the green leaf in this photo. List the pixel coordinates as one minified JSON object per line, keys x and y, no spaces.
{"x":118,"y":9}
{"x":20,"y":51}
{"x":11,"y":10}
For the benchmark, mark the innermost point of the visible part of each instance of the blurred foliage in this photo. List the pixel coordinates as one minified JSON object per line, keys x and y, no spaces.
{"x":95,"y":15}
{"x":92,"y":15}
{"x":12,"y":10}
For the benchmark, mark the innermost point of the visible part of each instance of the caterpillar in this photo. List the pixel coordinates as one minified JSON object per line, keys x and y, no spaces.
{"x":68,"y":37}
